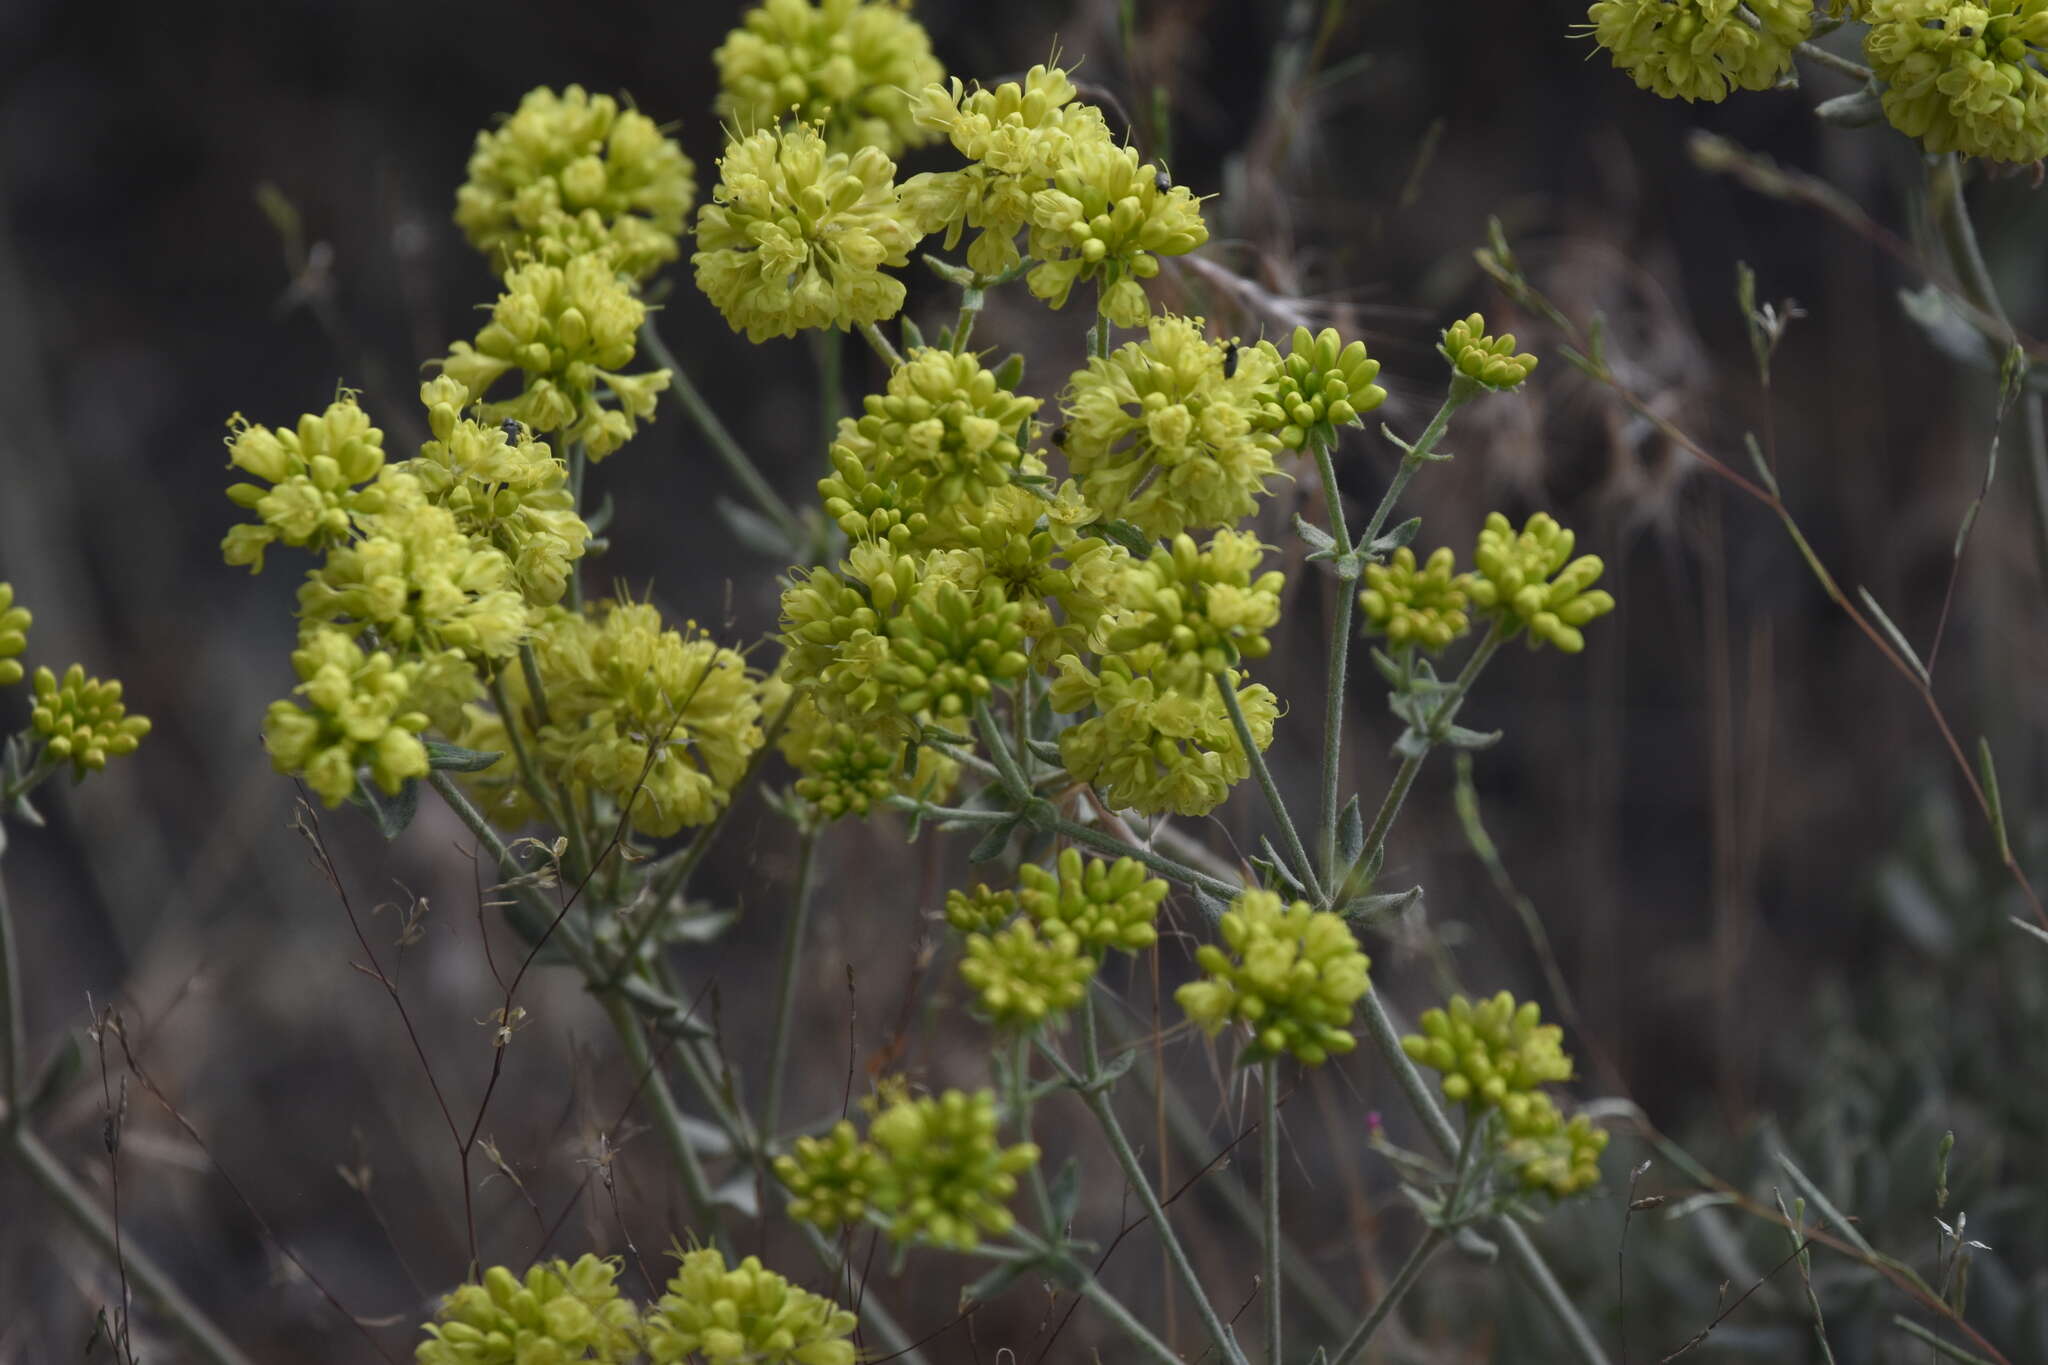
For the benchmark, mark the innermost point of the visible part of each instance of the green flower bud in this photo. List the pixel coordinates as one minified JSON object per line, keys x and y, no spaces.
{"x":830,"y":1179}
{"x":944,"y":427}
{"x":82,"y":720}
{"x":1158,"y":433}
{"x":316,"y":472}
{"x":1187,"y":613}
{"x":1104,"y":905}
{"x":569,"y":330}
{"x":1486,"y":360}
{"x":14,"y":624}
{"x":1320,"y":385}
{"x":846,"y":768}
{"x":1105,"y":217}
{"x":980,"y":911}
{"x":747,"y":1314}
{"x":559,"y":1313}
{"x":946,"y":1179}
{"x":1701,"y":49}
{"x":844,"y":66}
{"x":1291,"y":975}
{"x":797,"y":235}
{"x":1552,"y":1156}
{"x":1964,"y":78}
{"x":361,"y":713}
{"x":1489,"y":1051}
{"x":1150,"y":747}
{"x":1023,"y":976}
{"x":1016,"y":138}
{"x":1515,"y":584}
{"x":1424,"y":607}
{"x":575,"y":173}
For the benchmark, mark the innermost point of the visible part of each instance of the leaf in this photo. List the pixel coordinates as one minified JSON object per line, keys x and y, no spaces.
{"x":992,"y":843}
{"x":456,"y":759}
{"x":1351,"y":831}
{"x":991,"y":1285}
{"x":1391,"y":671}
{"x":1897,"y":636}
{"x":1273,"y":868}
{"x":1316,"y":537}
{"x":1857,"y":109}
{"x":1112,"y":1070}
{"x":1994,"y":807}
{"x":1412,"y":744}
{"x":913,"y":335}
{"x":392,"y":813}
{"x":1458,"y":737}
{"x":753,"y":530}
{"x":740,"y":1193}
{"x":1374,"y":909}
{"x":947,"y":271}
{"x":1213,"y":906}
{"x":663,"y":1010}
{"x":1130,"y":537}
{"x":1393,"y":540}
{"x":706,"y":925}
{"x":1010,"y":373}
{"x":598,"y":520}
{"x":1066,"y":1194}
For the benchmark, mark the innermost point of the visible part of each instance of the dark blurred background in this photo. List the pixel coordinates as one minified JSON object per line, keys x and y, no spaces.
{"x":1780,"y":919}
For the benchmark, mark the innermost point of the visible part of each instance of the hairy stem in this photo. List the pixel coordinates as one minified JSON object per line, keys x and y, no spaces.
{"x":1303,"y":868}
{"x":1334,"y":682}
{"x":785,"y":980}
{"x":1404,"y":1280}
{"x":1269,"y":1177}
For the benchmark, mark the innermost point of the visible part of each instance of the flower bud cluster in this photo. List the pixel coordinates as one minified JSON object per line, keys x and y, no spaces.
{"x":560,"y":1313}
{"x":1701,"y":49}
{"x":744,"y":1313}
{"x":83,"y":720}
{"x":1291,"y":975}
{"x":1319,"y":385}
{"x":845,"y":66}
{"x":1105,"y":905}
{"x":315,"y":472}
{"x":572,"y":173}
{"x":1515,"y":581}
{"x":1964,"y":77}
{"x":1487,"y":360}
{"x":14,"y":624}
{"x":1423,"y":606}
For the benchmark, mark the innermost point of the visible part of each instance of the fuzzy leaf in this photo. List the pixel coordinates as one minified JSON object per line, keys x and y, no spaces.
{"x":456,"y":759}
{"x":392,"y":813}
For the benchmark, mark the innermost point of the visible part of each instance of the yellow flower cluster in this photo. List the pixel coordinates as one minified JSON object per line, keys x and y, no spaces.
{"x":1291,"y":975}
{"x":845,"y":66}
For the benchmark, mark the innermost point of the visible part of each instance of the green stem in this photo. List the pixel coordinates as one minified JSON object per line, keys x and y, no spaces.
{"x":533,"y":913}
{"x":1337,"y":665}
{"x":579,"y":463}
{"x":963,"y":814}
{"x":1269,"y":1159}
{"x":785,"y":980}
{"x":1404,"y":1280}
{"x":1404,"y":776}
{"x":723,"y":445}
{"x":831,"y":366}
{"x":972,"y":297}
{"x":1011,"y":776}
{"x":1461,"y":392}
{"x":45,"y":765}
{"x":869,"y":1306}
{"x":1274,"y":801}
{"x":1820,"y":56}
{"x":1092,"y":1290}
{"x":1020,"y":1116}
{"x":89,"y":1218}
{"x":1097,"y":1098}
{"x":1165,"y":867}
{"x":529,"y":775}
{"x":668,"y":1115}
{"x":13,"y":1018}
{"x":881,"y":345}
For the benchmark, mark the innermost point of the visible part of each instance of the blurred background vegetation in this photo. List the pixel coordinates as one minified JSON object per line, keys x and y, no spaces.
{"x":1782,"y":927}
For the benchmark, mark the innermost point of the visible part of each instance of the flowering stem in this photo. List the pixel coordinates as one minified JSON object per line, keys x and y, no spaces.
{"x":45,"y":765}
{"x":1011,"y":776}
{"x":882,"y":346}
{"x":1096,"y":1095}
{"x":962,"y":814}
{"x":830,"y":355}
{"x":1165,"y":867}
{"x":1404,"y":1280}
{"x":1020,"y":1115}
{"x":1461,"y":392}
{"x":1092,"y":1290}
{"x":668,"y":1115}
{"x":785,"y":980}
{"x":972,"y":297}
{"x":528,"y":774}
{"x":1338,"y":663}
{"x":543,"y":916}
{"x":1820,"y":56}
{"x":1441,"y":1131}
{"x":207,"y":1339}
{"x":1404,"y":777}
{"x":1303,"y":867}
{"x":13,"y":1047}
{"x":722,"y":443}
{"x":1269,"y":1175}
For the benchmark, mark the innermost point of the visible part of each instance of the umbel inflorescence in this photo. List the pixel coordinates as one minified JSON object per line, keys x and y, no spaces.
{"x":1030,"y":606}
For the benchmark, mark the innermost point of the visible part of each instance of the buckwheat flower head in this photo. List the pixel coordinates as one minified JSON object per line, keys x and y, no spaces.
{"x":1154,"y":748}
{"x":1160,"y":432}
{"x":1964,"y":77}
{"x":830,"y":1178}
{"x":1108,"y":217}
{"x":797,"y":236}
{"x":1416,"y":606}
{"x":559,"y":1313}
{"x":847,"y":768}
{"x":1292,"y":974}
{"x":945,"y":421}
{"x":1015,"y":138}
{"x":1319,"y":385}
{"x":574,"y":172}
{"x":420,"y":582}
{"x":83,"y":720}
{"x":744,"y":1315}
{"x":1104,"y":905}
{"x":980,"y":911}
{"x":946,"y":1179}
{"x":1553,"y":1156}
{"x":1701,"y":49}
{"x":1487,"y":360}
{"x":504,"y":487}
{"x":1185,"y":613}
{"x":1489,"y":1051}
{"x":569,"y":330}
{"x":1514,"y":581}
{"x":644,"y":713}
{"x":1033,"y":546}
{"x":359,"y":713}
{"x":845,"y":66}
{"x":14,"y":624}
{"x":1024,"y":975}
{"x":320,"y":473}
